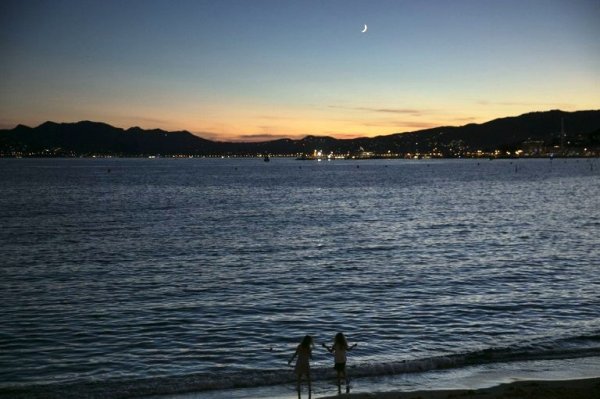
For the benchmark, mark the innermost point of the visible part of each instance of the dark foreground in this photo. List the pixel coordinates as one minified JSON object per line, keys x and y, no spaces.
{"x":571,"y":389}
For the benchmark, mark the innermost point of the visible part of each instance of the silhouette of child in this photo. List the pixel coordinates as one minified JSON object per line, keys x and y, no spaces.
{"x":339,"y":349}
{"x":304,"y":353}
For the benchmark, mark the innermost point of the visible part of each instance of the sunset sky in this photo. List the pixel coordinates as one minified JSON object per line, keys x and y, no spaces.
{"x":261,"y":69}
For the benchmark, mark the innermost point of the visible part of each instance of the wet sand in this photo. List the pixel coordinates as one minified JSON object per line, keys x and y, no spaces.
{"x":567,"y":389}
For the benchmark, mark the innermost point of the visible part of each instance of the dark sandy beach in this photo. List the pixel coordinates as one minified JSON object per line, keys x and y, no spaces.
{"x":568,"y":389}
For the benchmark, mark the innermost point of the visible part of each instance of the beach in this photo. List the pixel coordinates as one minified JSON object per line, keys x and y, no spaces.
{"x":566,"y":378}
{"x":572,"y":389}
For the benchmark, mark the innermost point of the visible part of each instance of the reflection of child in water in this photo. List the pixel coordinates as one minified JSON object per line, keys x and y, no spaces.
{"x":339,"y":349}
{"x":304,"y":353}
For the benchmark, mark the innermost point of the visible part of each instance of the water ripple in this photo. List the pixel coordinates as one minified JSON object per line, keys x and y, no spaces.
{"x":167,"y":268}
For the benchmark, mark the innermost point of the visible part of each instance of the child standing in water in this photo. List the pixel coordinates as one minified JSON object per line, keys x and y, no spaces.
{"x":339,"y":349}
{"x":304,"y":353}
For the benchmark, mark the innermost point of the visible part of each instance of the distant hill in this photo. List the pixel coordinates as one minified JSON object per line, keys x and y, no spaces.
{"x":582,"y":128}
{"x":99,"y":138}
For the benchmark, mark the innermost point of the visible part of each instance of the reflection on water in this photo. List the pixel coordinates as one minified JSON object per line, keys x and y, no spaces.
{"x":173,"y":267}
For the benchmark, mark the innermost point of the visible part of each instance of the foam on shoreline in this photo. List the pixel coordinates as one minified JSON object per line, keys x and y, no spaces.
{"x":449,"y":380}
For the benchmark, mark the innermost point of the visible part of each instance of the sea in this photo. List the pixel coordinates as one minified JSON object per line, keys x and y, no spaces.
{"x":152,"y":277}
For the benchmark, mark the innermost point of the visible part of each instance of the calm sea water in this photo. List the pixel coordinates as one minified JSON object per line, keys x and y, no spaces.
{"x":207,"y":271}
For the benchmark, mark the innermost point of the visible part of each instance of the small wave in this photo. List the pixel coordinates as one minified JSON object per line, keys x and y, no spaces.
{"x":566,"y":348}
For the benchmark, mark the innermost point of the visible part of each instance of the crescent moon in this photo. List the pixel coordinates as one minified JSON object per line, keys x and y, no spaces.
{"x":364,"y":29}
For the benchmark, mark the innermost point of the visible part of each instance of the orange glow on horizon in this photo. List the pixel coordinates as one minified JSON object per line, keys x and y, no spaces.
{"x":263,"y":123}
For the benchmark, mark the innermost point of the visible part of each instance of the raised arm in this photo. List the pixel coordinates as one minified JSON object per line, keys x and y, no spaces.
{"x":293,"y":356}
{"x":329,"y":349}
{"x":352,"y":347}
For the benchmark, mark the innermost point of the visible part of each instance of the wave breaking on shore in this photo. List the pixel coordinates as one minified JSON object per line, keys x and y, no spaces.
{"x":566,"y":348}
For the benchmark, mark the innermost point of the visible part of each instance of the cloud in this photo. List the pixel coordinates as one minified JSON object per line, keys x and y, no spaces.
{"x":522,"y":104}
{"x":464,"y":119}
{"x":258,"y":137}
{"x":402,"y":111}
{"x":401,"y":124}
{"x":276,"y":118}
{"x":147,"y":120}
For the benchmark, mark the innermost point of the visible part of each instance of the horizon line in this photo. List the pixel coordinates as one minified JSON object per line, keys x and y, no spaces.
{"x":277,"y":137}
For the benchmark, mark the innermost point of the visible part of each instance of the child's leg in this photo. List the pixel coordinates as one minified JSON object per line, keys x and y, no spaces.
{"x":298,"y":384}
{"x":347,"y":381}
{"x":347,"y":385}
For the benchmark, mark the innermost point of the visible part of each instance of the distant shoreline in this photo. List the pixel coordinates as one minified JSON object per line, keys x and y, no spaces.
{"x":260,"y":157}
{"x":535,"y":134}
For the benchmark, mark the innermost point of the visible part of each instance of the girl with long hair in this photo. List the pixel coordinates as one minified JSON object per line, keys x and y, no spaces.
{"x":339,"y":349}
{"x":304,"y":353}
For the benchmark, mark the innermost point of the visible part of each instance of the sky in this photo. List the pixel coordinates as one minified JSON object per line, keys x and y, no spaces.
{"x":253,"y":70}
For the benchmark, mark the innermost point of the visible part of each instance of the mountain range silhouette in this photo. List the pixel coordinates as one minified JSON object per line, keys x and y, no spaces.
{"x":581,"y":128}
